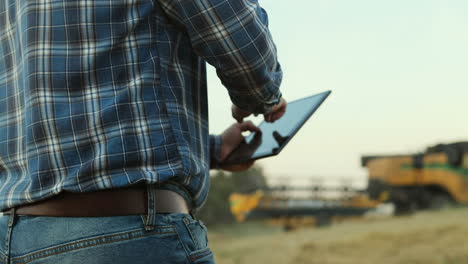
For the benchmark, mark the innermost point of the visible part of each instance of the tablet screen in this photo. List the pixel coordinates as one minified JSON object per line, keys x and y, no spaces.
{"x":276,"y":135}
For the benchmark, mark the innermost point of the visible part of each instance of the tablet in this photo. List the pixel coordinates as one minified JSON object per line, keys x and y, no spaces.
{"x":275,"y":136}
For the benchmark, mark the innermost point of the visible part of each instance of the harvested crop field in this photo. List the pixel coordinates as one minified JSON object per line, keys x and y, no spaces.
{"x":422,"y":238}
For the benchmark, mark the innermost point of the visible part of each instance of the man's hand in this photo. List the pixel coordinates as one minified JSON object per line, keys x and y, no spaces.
{"x":276,"y":112}
{"x":231,"y":138}
{"x":239,"y":114}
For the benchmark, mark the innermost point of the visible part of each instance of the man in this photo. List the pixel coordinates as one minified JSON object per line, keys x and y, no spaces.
{"x":104,"y":144}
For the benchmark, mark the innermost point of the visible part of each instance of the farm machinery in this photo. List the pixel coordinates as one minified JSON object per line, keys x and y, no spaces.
{"x":430,"y":180}
{"x":433,"y":179}
{"x":281,"y":207}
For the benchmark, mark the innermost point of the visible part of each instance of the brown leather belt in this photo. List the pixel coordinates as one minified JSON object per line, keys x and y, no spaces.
{"x":129,"y":201}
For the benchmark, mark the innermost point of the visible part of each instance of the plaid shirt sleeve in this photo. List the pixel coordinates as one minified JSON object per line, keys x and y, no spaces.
{"x":233,"y":36}
{"x":215,"y":148}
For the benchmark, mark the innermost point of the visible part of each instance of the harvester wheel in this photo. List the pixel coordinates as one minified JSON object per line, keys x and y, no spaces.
{"x":375,"y":188}
{"x":440,"y":201}
{"x":405,"y":208}
{"x":454,"y":156}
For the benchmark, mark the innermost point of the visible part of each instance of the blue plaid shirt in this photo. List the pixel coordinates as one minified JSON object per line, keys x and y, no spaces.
{"x":99,"y":94}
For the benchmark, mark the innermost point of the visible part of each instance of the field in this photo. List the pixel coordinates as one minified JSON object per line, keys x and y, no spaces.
{"x":423,"y":238}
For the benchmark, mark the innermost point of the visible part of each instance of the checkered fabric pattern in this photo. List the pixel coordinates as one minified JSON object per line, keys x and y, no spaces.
{"x":99,"y":94}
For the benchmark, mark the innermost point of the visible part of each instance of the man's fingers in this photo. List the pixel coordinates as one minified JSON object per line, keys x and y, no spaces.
{"x":238,"y":119}
{"x":276,"y":112}
{"x":278,"y":115}
{"x":249,"y":126}
{"x":239,"y":114}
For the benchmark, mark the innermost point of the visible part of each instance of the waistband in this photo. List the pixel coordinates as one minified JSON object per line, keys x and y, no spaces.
{"x":114,"y":202}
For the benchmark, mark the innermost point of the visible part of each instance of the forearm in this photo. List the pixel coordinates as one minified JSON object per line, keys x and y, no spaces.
{"x":233,"y":36}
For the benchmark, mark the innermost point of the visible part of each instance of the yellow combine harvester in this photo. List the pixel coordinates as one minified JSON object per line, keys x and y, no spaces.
{"x":429,"y":180}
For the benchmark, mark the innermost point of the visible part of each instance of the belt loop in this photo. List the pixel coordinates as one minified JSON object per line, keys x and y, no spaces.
{"x":11,"y":222}
{"x":151,"y":207}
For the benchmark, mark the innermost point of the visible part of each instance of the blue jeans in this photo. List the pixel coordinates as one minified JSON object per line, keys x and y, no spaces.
{"x":137,"y":239}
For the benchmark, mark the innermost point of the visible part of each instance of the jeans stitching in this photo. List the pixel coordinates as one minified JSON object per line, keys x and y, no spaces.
{"x":192,"y":256}
{"x":3,"y":257}
{"x":183,"y":245}
{"x":201,"y":254}
{"x":66,"y":247}
{"x":11,"y":222}
{"x":187,"y":223}
{"x":150,"y":216}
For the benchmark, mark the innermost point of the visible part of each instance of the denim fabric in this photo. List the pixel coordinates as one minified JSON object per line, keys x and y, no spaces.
{"x":173,"y":238}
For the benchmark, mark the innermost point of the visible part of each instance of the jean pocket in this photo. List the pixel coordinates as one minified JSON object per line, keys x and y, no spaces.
{"x":197,"y":232}
{"x":194,"y":237}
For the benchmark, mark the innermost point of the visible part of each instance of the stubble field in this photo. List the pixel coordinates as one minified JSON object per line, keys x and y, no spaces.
{"x":423,"y":238}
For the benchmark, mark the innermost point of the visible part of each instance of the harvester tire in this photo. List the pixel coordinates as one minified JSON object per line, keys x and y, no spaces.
{"x":405,"y":208}
{"x":454,"y":156}
{"x":375,"y":188}
{"x":440,"y":201}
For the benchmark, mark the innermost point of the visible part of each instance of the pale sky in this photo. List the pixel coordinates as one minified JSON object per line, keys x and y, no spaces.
{"x":398,"y":71}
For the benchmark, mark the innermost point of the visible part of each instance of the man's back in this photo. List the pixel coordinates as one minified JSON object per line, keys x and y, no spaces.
{"x":105,"y":94}
{"x":92,"y":98}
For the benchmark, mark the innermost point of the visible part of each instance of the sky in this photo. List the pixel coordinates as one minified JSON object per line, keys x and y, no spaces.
{"x":398,"y":71}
